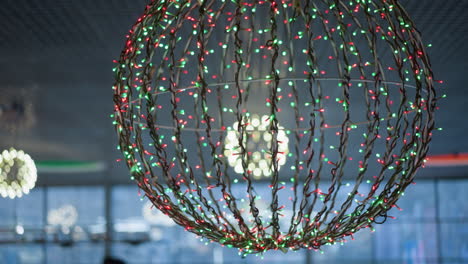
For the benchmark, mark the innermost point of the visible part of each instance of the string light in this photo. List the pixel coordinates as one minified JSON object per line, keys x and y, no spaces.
{"x":349,"y":81}
{"x":18,"y":173}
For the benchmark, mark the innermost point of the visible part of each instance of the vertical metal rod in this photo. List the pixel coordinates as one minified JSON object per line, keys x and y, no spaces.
{"x":108,"y":144}
{"x":44,"y":218}
{"x":218,"y":255}
{"x":373,"y":248}
{"x":308,"y":257}
{"x":437,"y":220}
{"x":108,"y":216}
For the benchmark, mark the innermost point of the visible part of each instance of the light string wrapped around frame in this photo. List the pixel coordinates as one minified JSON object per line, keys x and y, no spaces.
{"x":191,"y":69}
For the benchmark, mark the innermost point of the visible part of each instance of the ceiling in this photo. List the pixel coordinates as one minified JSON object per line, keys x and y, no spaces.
{"x":60,"y":52}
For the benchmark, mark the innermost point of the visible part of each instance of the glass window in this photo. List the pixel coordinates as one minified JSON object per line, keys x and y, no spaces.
{"x":406,"y":241}
{"x":7,"y":212}
{"x":144,"y":235}
{"x":78,"y":253}
{"x":358,"y":250}
{"x":30,"y":209}
{"x":145,"y":253}
{"x":21,"y":254}
{"x":80,"y":205}
{"x":453,"y":195}
{"x":231,"y":255}
{"x":74,"y":221}
{"x":126,"y":203}
{"x":455,"y":241}
{"x":22,"y":218}
{"x":417,"y":203}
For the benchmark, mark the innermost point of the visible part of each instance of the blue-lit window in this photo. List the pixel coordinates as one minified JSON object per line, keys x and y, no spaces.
{"x":76,"y":253}
{"x":453,"y":211}
{"x":75,"y":224}
{"x":87,"y":201}
{"x":453,"y":198}
{"x":143,"y":235}
{"x":406,"y":242}
{"x":27,"y":211}
{"x":22,"y":219}
{"x":25,"y":253}
{"x":430,"y":228}
{"x":417,"y":204}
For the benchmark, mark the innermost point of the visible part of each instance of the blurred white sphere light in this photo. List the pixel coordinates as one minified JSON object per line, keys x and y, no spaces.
{"x":65,"y":216}
{"x":258,"y":139}
{"x":18,"y":173}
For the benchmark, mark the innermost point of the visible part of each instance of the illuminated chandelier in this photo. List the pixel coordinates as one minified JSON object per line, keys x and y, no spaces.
{"x":327,"y":104}
{"x":257,"y":139}
{"x":18,"y":173}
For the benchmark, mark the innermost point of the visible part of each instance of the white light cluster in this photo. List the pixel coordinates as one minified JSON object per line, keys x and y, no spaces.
{"x":257,"y":139}
{"x":18,"y":173}
{"x":65,"y":216}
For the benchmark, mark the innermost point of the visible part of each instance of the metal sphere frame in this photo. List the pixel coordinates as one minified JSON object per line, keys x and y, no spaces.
{"x":350,"y":82}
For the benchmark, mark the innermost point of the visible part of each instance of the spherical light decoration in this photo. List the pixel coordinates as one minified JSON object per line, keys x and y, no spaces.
{"x":18,"y":173}
{"x":322,"y":110}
